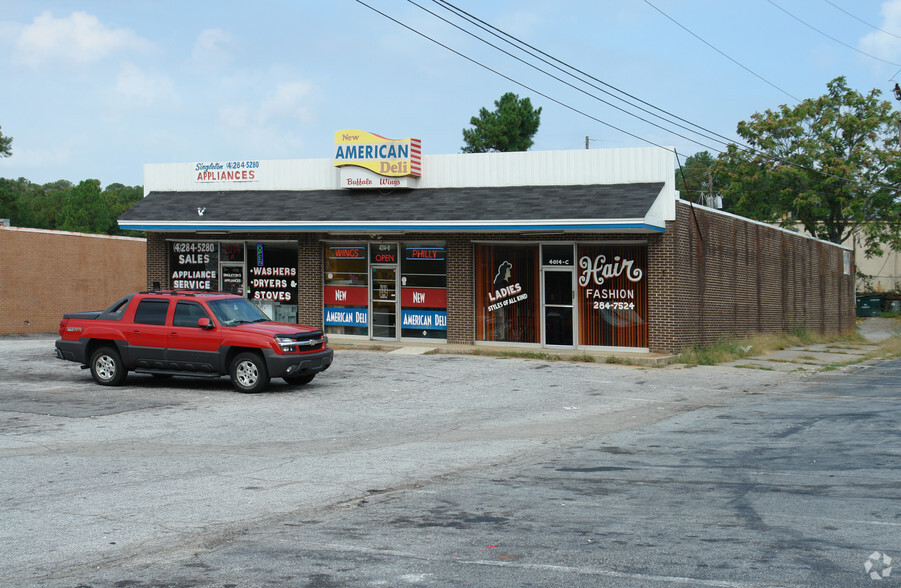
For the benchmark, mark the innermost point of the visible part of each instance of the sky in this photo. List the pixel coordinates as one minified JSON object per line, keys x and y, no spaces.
{"x":96,"y":89}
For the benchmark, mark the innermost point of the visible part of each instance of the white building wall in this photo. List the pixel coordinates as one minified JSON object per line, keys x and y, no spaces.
{"x":524,"y":168}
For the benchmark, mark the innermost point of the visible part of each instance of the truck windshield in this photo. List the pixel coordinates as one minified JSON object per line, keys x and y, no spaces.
{"x":235,"y":311}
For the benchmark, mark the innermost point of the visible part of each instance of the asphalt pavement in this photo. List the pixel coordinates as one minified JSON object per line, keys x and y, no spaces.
{"x":441,"y":470}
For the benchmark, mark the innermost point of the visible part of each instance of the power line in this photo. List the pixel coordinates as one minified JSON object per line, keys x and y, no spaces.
{"x":753,"y":73}
{"x":752,"y":151}
{"x":509,"y":79}
{"x":830,"y":37}
{"x":726,"y":142}
{"x":519,"y":44}
{"x":742,"y":147}
{"x":837,"y":7}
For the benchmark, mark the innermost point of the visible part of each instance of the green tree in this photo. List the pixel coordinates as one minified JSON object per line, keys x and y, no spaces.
{"x":695,"y":180}
{"x":830,"y":164}
{"x":118,"y":198}
{"x":510,"y":127}
{"x":9,"y":199}
{"x":6,"y":145}
{"x":44,"y":206}
{"x":83,"y":209}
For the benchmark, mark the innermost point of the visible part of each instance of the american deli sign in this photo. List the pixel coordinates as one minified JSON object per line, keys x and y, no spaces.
{"x":388,"y":163}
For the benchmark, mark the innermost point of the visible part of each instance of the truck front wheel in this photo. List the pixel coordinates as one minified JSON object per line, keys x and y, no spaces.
{"x":248,"y":373}
{"x":107,"y":368}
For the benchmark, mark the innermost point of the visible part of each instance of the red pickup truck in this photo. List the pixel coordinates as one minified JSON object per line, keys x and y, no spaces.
{"x":192,"y":333}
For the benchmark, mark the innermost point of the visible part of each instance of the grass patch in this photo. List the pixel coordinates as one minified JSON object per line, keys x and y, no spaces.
{"x":618,"y":360}
{"x":725,"y":350}
{"x":751,"y":366}
{"x":888,"y":349}
{"x":507,"y":354}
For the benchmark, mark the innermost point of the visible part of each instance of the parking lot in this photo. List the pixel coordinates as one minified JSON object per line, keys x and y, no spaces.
{"x":398,"y":469}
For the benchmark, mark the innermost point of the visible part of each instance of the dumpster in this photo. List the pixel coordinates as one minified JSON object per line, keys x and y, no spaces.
{"x":869,"y":304}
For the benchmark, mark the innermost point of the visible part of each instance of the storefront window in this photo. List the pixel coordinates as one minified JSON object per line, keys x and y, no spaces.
{"x":507,"y":293}
{"x":272,"y":278}
{"x":346,"y":297}
{"x":613,"y":295}
{"x":193,"y":265}
{"x":423,"y":291}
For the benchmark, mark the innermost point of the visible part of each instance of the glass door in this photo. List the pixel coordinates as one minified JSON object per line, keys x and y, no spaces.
{"x":383,"y":296}
{"x":558,"y":293}
{"x":232,"y":278}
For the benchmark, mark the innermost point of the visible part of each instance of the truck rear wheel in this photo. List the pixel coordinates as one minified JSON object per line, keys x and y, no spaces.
{"x":107,"y":368}
{"x":248,"y":373}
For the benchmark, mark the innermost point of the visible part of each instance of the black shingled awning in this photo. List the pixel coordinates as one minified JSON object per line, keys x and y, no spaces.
{"x":621,"y":207}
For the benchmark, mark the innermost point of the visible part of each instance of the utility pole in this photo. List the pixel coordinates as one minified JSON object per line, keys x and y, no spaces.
{"x":586,"y":141}
{"x":897,"y":91}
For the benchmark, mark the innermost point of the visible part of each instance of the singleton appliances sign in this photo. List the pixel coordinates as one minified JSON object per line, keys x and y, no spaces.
{"x":368,"y":160}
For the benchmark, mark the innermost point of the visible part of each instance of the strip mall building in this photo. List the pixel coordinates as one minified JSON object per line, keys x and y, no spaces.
{"x":588,"y":249}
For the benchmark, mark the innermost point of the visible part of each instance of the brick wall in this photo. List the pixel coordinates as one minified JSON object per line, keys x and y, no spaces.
{"x":44,"y":274}
{"x":716,"y":275}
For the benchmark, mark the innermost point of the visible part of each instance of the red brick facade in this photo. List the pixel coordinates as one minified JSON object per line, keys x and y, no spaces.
{"x":44,"y":274}
{"x":710,"y":275}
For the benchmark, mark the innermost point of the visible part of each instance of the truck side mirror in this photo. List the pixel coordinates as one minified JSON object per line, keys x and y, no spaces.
{"x":205,"y":323}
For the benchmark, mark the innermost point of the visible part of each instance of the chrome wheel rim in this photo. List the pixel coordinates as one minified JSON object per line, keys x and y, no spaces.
{"x":247,"y":374}
{"x":105,"y":367}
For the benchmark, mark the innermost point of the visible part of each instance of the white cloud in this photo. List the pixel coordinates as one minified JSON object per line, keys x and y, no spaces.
{"x":25,"y":160}
{"x":139,"y":88}
{"x":287,"y":102}
{"x":883,"y":45}
{"x":213,"y":46}
{"x":77,"y":39}
{"x":274,"y":122}
{"x":520,"y":23}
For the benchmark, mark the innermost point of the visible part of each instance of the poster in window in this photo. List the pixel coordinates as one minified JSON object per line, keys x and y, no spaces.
{"x":193,"y":265}
{"x":507,"y":293}
{"x":613,"y":295}
{"x":346,"y":289}
{"x":272,"y":269}
{"x":423,"y":291}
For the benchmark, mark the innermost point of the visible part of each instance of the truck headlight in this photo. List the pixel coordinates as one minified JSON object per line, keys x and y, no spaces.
{"x":286,"y":344}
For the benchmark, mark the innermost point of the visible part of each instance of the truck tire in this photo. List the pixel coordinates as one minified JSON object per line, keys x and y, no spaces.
{"x":248,"y":373}
{"x":107,"y":368}
{"x":299,"y":380}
